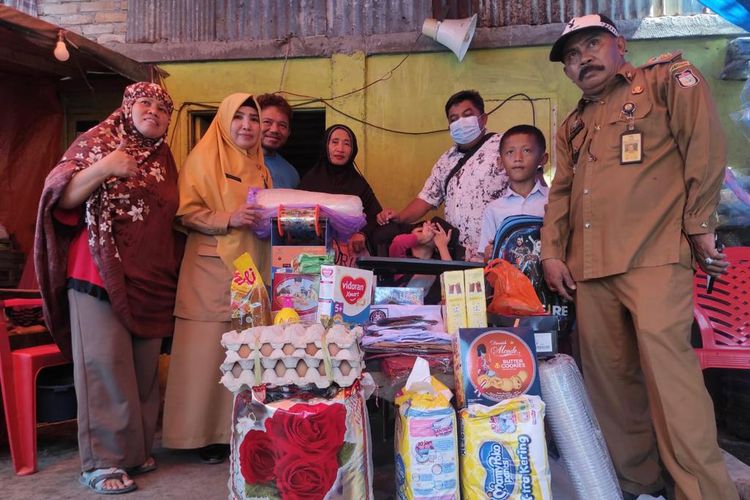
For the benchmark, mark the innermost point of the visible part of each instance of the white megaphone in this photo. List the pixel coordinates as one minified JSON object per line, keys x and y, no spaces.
{"x":455,"y":34}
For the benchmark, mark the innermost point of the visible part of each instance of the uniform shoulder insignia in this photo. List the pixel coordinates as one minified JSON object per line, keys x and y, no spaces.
{"x":664,"y":58}
{"x":686,"y":78}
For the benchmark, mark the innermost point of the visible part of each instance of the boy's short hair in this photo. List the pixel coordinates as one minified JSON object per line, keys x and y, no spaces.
{"x":525,"y":129}
{"x":275,"y":100}
{"x":465,"y":95}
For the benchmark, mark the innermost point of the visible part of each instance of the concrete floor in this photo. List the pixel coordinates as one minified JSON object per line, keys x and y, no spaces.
{"x":181,"y":476}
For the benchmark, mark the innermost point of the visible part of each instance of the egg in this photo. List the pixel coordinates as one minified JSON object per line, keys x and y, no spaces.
{"x":322,"y":369}
{"x":236,"y":370}
{"x":244,"y":351}
{"x":311,"y":349}
{"x":333,"y":349}
{"x":288,"y":349}
{"x":266,"y":349}
{"x":345,"y":368}
{"x":280,"y":369}
{"x":302,"y":368}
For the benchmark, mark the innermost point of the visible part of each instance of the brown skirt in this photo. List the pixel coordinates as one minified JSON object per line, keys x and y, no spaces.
{"x":197,"y":408}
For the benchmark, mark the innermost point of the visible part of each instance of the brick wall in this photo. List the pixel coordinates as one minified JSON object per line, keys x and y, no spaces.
{"x":100,"y":20}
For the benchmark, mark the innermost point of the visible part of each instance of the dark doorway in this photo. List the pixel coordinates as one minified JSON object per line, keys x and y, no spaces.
{"x":303,"y":148}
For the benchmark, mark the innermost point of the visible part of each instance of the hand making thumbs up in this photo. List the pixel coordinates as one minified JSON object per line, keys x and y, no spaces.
{"x":119,"y":163}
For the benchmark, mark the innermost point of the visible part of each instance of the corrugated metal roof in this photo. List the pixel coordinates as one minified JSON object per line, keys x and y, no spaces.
{"x":153,"y":21}
{"x":535,"y":12}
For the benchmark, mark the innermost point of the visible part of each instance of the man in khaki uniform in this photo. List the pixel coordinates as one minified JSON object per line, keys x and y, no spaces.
{"x":640,"y":164}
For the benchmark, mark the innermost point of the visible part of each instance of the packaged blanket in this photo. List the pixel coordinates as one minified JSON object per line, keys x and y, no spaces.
{"x":503,"y":451}
{"x":304,"y":447}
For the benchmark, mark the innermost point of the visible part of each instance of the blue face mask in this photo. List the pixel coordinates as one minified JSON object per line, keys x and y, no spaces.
{"x":465,"y":130}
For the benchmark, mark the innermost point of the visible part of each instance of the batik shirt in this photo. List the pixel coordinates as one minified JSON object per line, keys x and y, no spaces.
{"x":479,"y":181}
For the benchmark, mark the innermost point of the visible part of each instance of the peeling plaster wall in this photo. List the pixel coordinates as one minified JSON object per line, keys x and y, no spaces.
{"x":412,"y":99}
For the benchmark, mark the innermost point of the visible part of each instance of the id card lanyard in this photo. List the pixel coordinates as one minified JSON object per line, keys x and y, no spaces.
{"x":631,"y":141}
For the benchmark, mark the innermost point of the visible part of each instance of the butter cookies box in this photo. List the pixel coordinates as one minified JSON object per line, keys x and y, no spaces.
{"x":345,"y":294}
{"x":491,"y":365}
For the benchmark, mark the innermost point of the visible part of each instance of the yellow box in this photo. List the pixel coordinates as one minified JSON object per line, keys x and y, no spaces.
{"x":476,"y":303}
{"x":454,"y":301}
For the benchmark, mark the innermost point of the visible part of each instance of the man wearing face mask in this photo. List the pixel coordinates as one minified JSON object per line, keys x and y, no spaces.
{"x":466,"y":177}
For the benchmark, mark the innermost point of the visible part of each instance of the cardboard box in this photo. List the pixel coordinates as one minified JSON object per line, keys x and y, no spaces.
{"x":494,"y":364}
{"x":345,"y":294}
{"x":454,"y":299}
{"x":302,"y":288}
{"x":545,"y":328}
{"x":476,"y":302}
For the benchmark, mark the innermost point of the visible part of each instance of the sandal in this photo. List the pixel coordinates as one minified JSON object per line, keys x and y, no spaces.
{"x":147,"y":466}
{"x":94,"y":480}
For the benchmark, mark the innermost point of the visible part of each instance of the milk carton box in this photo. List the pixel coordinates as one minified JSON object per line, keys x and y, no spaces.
{"x":454,"y":299}
{"x":345,"y":294}
{"x":476,"y":302}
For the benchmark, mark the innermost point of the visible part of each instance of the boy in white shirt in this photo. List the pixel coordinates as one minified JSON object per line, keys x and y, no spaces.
{"x":522,"y":153}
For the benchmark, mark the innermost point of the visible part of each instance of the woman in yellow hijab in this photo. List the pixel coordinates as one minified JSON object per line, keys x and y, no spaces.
{"x":214,"y":182}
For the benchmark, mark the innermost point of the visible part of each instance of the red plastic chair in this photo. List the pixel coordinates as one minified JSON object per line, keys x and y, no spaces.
{"x":18,"y":372}
{"x":723,"y":316}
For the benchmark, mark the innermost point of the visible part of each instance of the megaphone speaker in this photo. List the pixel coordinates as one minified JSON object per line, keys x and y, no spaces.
{"x":456,"y":34}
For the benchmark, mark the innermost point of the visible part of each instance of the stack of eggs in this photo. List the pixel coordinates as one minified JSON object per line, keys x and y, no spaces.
{"x":292,"y":354}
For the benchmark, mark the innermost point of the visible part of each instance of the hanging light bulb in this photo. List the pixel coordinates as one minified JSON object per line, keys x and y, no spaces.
{"x":61,"y":50}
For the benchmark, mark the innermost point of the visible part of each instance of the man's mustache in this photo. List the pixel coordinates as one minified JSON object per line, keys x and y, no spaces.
{"x":587,"y":69}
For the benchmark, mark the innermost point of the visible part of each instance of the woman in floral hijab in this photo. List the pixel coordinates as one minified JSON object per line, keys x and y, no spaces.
{"x":107,"y":261}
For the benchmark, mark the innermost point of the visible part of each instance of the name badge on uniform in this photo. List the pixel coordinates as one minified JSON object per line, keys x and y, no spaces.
{"x":631,"y":147}
{"x":631,"y":141}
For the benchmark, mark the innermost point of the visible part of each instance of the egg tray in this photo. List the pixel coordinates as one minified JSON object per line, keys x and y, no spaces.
{"x":295,"y":354}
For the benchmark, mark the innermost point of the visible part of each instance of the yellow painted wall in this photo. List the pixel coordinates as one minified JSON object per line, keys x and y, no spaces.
{"x":412,"y":99}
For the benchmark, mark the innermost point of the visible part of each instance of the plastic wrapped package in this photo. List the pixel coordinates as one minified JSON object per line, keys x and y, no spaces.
{"x":503,"y":451}
{"x":344,"y":212}
{"x":313,"y":448}
{"x":426,"y":439}
{"x":250,"y":304}
{"x":576,"y":431}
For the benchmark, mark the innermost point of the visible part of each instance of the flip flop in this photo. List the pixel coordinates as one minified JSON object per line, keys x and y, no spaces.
{"x":94,"y":480}
{"x":147,"y":466}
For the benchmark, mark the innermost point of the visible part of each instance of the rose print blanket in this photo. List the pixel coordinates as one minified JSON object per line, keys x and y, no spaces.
{"x":301,"y":449}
